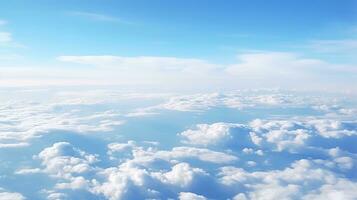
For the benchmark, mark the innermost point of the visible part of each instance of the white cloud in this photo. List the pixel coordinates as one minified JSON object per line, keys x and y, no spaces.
{"x":147,"y":156}
{"x":117,"y":147}
{"x":97,"y":17}
{"x":209,"y":134}
{"x":253,"y":70}
{"x":28,"y":171}
{"x":56,"y":196}
{"x":294,"y":134}
{"x":283,"y":134}
{"x":63,"y":160}
{"x":23,"y":121}
{"x":197,"y":102}
{"x":190,"y":196}
{"x":295,"y":182}
{"x":74,"y":183}
{"x":290,"y":134}
{"x":240,"y":99}
{"x":342,"y":190}
{"x":333,"y":128}
{"x":5,"y":195}
{"x":182,"y":175}
{"x":142,"y":170}
{"x":287,"y":69}
{"x":75,"y":169}
{"x":240,"y":196}
{"x":5,"y":37}
{"x":199,"y":153}
{"x":14,"y":145}
{"x":120,"y":180}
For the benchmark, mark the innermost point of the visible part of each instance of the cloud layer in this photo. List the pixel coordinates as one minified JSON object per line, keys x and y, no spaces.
{"x":285,"y":155}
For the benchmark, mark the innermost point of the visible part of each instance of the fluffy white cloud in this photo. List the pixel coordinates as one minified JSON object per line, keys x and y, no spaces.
{"x":304,"y":179}
{"x":117,"y":147}
{"x":295,"y":134}
{"x":209,"y":134}
{"x":120,"y":180}
{"x":74,"y":183}
{"x":62,"y":160}
{"x":5,"y":195}
{"x":181,"y":175}
{"x":334,"y":128}
{"x":190,"y":196}
{"x":342,"y":190}
{"x":75,"y":169}
{"x":283,"y":134}
{"x":279,"y":135}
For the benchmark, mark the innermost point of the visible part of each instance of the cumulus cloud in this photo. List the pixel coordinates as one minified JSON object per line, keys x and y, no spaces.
{"x":209,"y":134}
{"x":5,"y":195}
{"x":294,"y":134}
{"x":301,"y":180}
{"x":334,"y":128}
{"x":181,"y":175}
{"x":64,"y":161}
{"x":283,"y":134}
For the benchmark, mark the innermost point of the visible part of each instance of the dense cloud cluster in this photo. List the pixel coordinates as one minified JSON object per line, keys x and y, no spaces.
{"x":277,"y":157}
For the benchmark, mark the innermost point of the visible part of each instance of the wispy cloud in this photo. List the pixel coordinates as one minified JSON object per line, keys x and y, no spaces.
{"x":334,"y":46}
{"x":5,"y":37}
{"x":7,"y":40}
{"x":98,"y":17}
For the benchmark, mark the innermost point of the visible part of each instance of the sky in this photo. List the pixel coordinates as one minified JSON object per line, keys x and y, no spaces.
{"x":184,"y":45}
{"x":178,"y":100}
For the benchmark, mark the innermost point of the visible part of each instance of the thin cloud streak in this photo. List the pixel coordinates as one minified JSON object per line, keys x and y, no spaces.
{"x":98,"y":17}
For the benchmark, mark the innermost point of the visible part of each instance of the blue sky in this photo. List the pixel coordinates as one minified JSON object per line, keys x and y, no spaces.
{"x":200,"y":36}
{"x":211,"y":30}
{"x":177,"y":28}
